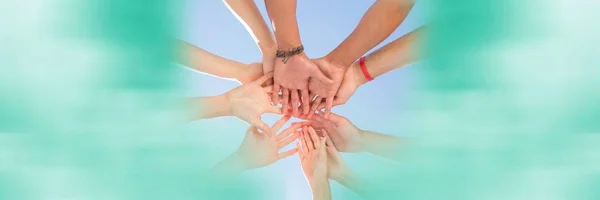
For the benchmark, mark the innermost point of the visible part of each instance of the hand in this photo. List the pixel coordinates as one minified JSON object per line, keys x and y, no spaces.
{"x":248,"y":102}
{"x":261,"y":149}
{"x":268,"y":61}
{"x":313,"y":156}
{"x":326,"y":90}
{"x":253,"y":72}
{"x":292,"y":79}
{"x":336,"y":167}
{"x":353,"y":78}
{"x":344,"y":135}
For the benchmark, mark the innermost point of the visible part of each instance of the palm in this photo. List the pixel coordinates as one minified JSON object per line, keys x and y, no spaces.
{"x":345,"y":136}
{"x":263,"y":149}
{"x":348,"y":87}
{"x":314,"y":164}
{"x":248,"y":101}
{"x":336,"y":167}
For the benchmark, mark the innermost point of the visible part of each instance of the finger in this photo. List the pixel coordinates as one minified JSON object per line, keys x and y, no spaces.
{"x":305,"y":102}
{"x":337,"y":102}
{"x":328,"y":105}
{"x":275,"y":128}
{"x":288,"y":131}
{"x":330,"y":146}
{"x":312,"y":96}
{"x":326,"y":134}
{"x":287,"y":153}
{"x":268,"y":89}
{"x":272,"y":109}
{"x":314,"y":105}
{"x":333,"y":117}
{"x":284,"y":103}
{"x":286,"y":141}
{"x":275,"y":95}
{"x":321,"y":106}
{"x":261,"y":125}
{"x":321,"y":148}
{"x":314,"y":137}
{"x":264,"y":78}
{"x":300,"y":153}
{"x":294,"y":102}
{"x":309,"y":143}
{"x":303,"y":144}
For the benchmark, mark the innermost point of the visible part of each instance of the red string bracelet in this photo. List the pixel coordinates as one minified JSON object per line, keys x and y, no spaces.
{"x":363,"y":67}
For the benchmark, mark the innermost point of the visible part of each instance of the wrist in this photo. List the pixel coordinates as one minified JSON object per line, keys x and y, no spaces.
{"x":365,"y":141}
{"x":338,"y":60}
{"x":226,"y":108}
{"x":346,"y":178}
{"x":268,"y":48}
{"x":358,"y":75}
{"x":317,"y":183}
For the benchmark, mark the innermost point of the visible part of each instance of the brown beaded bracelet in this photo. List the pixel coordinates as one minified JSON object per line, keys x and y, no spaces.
{"x":289,"y":53}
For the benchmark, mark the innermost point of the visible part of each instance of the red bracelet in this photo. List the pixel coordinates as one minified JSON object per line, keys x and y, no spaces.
{"x":363,"y":67}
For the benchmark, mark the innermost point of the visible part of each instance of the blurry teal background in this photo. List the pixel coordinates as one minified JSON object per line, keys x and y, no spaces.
{"x":505,"y":107}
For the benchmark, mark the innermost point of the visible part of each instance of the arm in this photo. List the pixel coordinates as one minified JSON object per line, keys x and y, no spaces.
{"x":378,"y":23}
{"x":216,"y":106}
{"x":283,"y":20}
{"x":321,"y":189}
{"x":230,"y":167}
{"x":247,"y":102}
{"x":380,"y":144}
{"x":249,"y":15}
{"x":398,"y":53}
{"x":209,"y":63}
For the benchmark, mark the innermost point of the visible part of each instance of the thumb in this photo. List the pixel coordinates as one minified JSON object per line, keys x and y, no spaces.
{"x":317,"y":74}
{"x":272,"y":109}
{"x":258,"y":123}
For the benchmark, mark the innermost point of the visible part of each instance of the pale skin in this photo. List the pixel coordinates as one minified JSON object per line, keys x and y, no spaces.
{"x":394,"y":55}
{"x":313,"y":159}
{"x":291,"y":78}
{"x":382,"y":18}
{"x":348,"y":138}
{"x":259,"y":149}
{"x":338,"y":170}
{"x":247,"y":102}
{"x":249,"y":15}
{"x":206,"y":62}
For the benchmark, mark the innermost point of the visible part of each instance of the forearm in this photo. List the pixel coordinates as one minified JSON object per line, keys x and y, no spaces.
{"x":204,"y":61}
{"x":321,"y":189}
{"x":249,"y":15}
{"x":381,"y":145}
{"x":382,"y":18}
{"x":351,"y":182}
{"x":396,"y":54}
{"x":211,"y":107}
{"x":230,"y":167}
{"x":283,"y":19}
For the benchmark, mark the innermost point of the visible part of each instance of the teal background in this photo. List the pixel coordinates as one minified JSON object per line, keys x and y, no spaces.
{"x":505,"y":106}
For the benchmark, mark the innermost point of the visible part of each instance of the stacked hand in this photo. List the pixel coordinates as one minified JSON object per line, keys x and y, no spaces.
{"x":319,"y":157}
{"x":248,"y":102}
{"x":325,"y":91}
{"x":292,"y":78}
{"x":260,"y":149}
